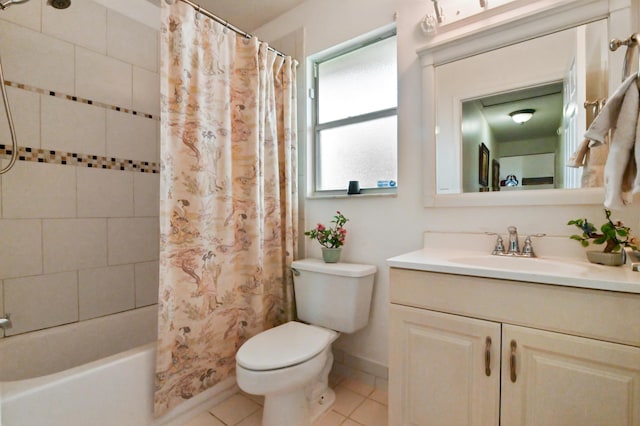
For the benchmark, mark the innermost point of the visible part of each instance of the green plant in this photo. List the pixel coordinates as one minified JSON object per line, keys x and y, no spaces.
{"x":614,"y":235}
{"x":332,"y":237}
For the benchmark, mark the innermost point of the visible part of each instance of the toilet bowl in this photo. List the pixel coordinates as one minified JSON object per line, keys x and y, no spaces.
{"x":290,"y":364}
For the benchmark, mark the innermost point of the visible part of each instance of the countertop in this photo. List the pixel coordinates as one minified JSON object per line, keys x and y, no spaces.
{"x":546,"y":270}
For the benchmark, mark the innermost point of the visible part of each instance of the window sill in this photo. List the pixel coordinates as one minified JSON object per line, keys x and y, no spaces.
{"x":342,"y":194}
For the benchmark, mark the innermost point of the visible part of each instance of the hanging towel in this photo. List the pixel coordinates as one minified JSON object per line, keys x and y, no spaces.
{"x":620,"y":115}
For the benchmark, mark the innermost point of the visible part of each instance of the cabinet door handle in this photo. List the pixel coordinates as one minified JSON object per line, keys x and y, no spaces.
{"x":487,"y":356}
{"x":513,"y":361}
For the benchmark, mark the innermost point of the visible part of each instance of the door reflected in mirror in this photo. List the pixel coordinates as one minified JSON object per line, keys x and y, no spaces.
{"x":524,"y":102}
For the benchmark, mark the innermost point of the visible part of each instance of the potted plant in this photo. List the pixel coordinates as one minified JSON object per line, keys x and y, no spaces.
{"x":331,"y":239}
{"x":614,"y":235}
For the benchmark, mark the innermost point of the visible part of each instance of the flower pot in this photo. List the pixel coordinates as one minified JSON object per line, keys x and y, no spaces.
{"x":609,"y":259}
{"x":331,"y":255}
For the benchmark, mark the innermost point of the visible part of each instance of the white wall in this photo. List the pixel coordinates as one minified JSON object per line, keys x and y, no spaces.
{"x":382,"y":227}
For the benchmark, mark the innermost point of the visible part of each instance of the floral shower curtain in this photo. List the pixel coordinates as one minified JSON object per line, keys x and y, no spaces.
{"x":228,"y":208}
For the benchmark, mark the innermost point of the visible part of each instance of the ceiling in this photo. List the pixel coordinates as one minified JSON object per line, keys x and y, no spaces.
{"x":246,"y":15}
{"x":545,"y":100}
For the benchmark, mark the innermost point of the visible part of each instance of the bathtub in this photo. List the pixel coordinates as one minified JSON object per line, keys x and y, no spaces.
{"x":39,"y":387}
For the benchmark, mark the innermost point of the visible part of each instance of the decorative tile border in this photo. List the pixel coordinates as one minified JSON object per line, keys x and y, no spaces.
{"x":82,"y":160}
{"x":80,"y":100}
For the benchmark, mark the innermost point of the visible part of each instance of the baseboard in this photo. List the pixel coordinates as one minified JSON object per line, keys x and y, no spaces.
{"x":361,"y":369}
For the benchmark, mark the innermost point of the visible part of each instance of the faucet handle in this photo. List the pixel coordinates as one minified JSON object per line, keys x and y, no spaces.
{"x":499,"y":247}
{"x":527,"y":249}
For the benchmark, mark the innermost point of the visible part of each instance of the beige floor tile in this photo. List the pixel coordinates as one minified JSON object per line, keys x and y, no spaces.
{"x":380,"y":396}
{"x":204,"y":419}
{"x":255,"y":398}
{"x":234,"y":409}
{"x":253,"y":420}
{"x":350,"y":422}
{"x":346,"y":400}
{"x":371,"y":413}
{"x":335,"y":379}
{"x":330,"y":418}
{"x":357,"y":386}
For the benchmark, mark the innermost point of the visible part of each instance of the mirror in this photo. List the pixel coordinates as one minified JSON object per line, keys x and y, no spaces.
{"x":516,"y":47}
{"x":549,"y":78}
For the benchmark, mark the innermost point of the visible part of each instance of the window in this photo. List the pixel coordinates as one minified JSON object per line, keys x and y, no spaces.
{"x":355,"y":118}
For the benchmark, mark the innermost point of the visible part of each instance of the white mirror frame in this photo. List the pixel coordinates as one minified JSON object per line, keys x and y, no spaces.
{"x":512,"y":23}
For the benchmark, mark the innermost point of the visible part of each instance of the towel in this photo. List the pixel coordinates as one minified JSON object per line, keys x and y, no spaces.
{"x":620,"y":115}
{"x":592,"y":157}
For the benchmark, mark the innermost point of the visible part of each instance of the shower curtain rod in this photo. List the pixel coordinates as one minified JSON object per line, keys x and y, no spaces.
{"x":219,"y":20}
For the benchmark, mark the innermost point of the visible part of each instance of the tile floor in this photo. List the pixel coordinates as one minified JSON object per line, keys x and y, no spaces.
{"x":357,"y":404}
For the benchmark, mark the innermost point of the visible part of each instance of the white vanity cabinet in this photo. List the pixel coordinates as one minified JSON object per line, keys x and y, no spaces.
{"x":470,"y":350}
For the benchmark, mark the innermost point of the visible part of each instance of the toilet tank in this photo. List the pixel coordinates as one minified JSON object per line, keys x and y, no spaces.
{"x":333,"y":295}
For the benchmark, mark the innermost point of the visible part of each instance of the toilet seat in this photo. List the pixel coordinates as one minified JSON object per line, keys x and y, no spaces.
{"x":284,"y":346}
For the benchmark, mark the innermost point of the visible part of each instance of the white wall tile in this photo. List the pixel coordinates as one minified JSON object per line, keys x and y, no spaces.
{"x":130,"y":137}
{"x":73,"y":126}
{"x":21,"y":248}
{"x":84,"y":24}
{"x":146,"y":91}
{"x":41,"y":301}
{"x":36,"y":59}
{"x":147,"y":283}
{"x":26,"y":14}
{"x":133,"y":240}
{"x":39,"y":190}
{"x":105,"y":291}
{"x":25,"y":110}
{"x":74,"y":244}
{"x":105,"y":193}
{"x":104,"y":79}
{"x":146,"y":189}
{"x":132,"y":42}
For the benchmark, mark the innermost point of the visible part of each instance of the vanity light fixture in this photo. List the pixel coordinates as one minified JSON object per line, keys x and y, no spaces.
{"x":521,"y":116}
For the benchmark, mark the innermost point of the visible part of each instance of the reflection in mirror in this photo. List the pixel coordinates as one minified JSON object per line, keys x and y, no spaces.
{"x":477,"y":96}
{"x":523,"y":153}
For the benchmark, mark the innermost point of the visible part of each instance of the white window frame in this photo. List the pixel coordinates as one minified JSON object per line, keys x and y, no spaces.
{"x":317,"y":128}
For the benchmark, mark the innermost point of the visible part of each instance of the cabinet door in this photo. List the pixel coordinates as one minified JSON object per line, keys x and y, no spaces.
{"x":438,"y":371}
{"x":563,"y":380}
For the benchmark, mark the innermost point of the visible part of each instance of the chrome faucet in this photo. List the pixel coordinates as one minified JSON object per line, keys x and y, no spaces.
{"x":5,"y":322}
{"x":513,"y":246}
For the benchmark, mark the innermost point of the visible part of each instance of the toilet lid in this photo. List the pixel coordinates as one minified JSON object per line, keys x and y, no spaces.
{"x":284,"y":346}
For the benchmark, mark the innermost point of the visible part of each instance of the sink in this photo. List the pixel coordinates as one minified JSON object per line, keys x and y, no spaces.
{"x":537,"y":265}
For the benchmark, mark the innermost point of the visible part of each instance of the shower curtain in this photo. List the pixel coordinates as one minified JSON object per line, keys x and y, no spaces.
{"x":228,"y":207}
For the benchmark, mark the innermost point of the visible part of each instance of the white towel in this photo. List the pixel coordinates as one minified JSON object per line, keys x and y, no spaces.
{"x":620,"y":114}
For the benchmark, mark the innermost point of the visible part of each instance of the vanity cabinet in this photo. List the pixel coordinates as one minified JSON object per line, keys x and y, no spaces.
{"x":481,"y":351}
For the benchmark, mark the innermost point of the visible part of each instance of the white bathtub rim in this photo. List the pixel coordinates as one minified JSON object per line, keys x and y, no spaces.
{"x":20,"y":388}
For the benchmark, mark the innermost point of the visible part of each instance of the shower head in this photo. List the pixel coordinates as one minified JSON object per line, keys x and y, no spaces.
{"x":58,"y":4}
{"x":6,"y":3}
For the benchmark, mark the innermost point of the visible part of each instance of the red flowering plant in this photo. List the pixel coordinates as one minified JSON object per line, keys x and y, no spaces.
{"x":333,"y":236}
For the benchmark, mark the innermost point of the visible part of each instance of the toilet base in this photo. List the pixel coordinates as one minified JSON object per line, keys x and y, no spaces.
{"x":321,"y":405}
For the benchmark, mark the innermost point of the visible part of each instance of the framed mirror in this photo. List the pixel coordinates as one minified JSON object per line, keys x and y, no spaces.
{"x":543,"y":62}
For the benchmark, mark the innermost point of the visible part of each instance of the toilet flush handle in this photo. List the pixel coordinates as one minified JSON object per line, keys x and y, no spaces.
{"x":295,"y":271}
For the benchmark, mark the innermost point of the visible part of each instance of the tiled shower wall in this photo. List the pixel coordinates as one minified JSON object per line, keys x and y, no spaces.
{"x":79,"y":212}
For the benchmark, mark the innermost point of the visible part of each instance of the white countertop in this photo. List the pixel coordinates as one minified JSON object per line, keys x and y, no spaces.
{"x":547,"y":270}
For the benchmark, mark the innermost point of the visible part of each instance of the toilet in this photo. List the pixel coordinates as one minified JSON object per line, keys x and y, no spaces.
{"x":290,"y":364}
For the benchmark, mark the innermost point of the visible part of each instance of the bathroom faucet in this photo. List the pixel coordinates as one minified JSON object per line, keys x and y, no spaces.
{"x":513,"y":246}
{"x":5,"y":322}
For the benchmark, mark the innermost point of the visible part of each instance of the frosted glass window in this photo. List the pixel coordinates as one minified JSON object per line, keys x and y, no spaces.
{"x":358,"y":82}
{"x":365,"y":152}
{"x":356,"y":118}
